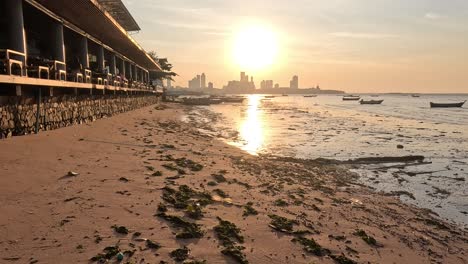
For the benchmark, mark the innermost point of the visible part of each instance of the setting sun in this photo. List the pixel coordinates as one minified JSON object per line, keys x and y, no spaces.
{"x":255,"y":47}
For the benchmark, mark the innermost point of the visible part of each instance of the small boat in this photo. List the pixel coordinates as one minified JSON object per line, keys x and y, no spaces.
{"x":284,"y":95}
{"x":351,"y":98}
{"x":269,"y":96}
{"x":201,"y":101}
{"x":374,"y":95}
{"x":415,"y":95}
{"x":371,"y":102}
{"x":447,"y":105}
{"x":307,"y":96}
{"x":232,"y":99}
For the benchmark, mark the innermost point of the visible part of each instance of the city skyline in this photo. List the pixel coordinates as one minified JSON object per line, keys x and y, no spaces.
{"x":357,"y":46}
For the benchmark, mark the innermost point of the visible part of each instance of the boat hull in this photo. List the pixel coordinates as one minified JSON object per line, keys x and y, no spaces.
{"x":371,"y":102}
{"x":447,"y":105}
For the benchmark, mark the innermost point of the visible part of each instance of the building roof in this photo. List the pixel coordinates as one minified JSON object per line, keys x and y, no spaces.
{"x":120,"y":13}
{"x":94,"y":20}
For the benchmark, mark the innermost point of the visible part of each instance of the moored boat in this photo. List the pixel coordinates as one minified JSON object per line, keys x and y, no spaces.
{"x":447,"y":105}
{"x":371,"y":102}
{"x":313,"y":95}
{"x":351,"y":98}
{"x":201,"y":101}
{"x":269,"y":96}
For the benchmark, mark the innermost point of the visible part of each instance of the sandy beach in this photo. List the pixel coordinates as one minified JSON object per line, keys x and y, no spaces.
{"x":147,"y":188}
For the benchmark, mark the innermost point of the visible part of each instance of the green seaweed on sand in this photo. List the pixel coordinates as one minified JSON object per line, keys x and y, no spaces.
{"x":152,"y":245}
{"x":187,"y":163}
{"x":194,"y":261}
{"x":282,"y":224}
{"x":162,"y":208}
{"x":280,"y":202}
{"x":212,"y":183}
{"x":228,"y":233}
{"x":249,"y":210}
{"x":368,"y":239}
{"x":172,"y":167}
{"x":157,"y":174}
{"x":180,"y":254}
{"x":188,"y":229}
{"x":194,"y":211}
{"x":219,"y":178}
{"x":236,"y":253}
{"x":120,"y":229}
{"x":185,"y":196}
{"x":311,"y":246}
{"x":221,"y":193}
{"x":342,"y":259}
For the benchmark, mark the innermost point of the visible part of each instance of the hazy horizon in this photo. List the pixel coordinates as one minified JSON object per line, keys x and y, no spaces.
{"x":358,"y":46}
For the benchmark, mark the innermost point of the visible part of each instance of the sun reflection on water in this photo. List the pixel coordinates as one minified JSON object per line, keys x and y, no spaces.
{"x":252,"y":129}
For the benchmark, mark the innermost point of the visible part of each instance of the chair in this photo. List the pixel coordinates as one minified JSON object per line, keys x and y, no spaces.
{"x":87,"y":75}
{"x":11,"y":64}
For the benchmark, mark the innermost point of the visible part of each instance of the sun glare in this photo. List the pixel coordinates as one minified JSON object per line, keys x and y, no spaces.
{"x":255,"y":48}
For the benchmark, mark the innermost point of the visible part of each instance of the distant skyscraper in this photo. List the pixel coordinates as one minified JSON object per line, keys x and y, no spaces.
{"x":277,"y":86}
{"x":210,"y":85}
{"x":242,"y":76}
{"x":169,"y":84}
{"x":294,"y":83}
{"x":203,"y":81}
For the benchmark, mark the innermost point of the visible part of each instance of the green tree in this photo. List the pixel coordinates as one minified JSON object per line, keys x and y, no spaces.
{"x":166,"y":67}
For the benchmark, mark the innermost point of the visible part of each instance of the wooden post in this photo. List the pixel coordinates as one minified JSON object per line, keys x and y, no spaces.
{"x":38,"y":110}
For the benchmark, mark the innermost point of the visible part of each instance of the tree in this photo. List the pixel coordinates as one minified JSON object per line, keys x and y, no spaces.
{"x":166,"y":67}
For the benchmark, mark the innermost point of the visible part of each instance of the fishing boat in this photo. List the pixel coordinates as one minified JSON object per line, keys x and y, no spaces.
{"x":415,"y":95}
{"x":351,"y":98}
{"x":269,"y":96}
{"x":313,"y":95}
{"x":447,"y":105}
{"x":371,"y":102}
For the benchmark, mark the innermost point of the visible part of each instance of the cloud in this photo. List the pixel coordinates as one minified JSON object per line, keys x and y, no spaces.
{"x":432,"y":16}
{"x":362,"y":35}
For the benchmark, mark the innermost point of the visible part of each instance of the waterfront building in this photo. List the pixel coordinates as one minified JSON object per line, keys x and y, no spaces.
{"x":84,"y":45}
{"x":294,"y":83}
{"x":203,"y":81}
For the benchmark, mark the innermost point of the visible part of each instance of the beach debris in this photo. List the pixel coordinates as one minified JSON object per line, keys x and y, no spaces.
{"x":187,"y":229}
{"x":249,"y":210}
{"x":311,"y":246}
{"x":111,"y":252}
{"x":368,"y":239}
{"x":282,"y":224}
{"x":120,"y":229}
{"x":72,"y":174}
{"x":212,"y":183}
{"x":230,"y":235}
{"x":400,"y":147}
{"x":180,"y":254}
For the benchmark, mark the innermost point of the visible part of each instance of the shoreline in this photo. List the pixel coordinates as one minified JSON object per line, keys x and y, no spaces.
{"x":132,"y":166}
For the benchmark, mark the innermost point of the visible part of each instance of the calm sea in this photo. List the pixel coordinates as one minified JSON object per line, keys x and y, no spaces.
{"x":328,"y":127}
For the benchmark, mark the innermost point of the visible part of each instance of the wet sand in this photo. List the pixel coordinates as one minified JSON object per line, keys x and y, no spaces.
{"x":147,"y":174}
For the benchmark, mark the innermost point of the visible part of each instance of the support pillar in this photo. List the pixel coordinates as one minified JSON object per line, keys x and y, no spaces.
{"x":83,"y":46}
{"x":112,"y":64}
{"x":58,"y":50}
{"x":129,"y":70}
{"x":16,"y":36}
{"x":123,"y":69}
{"x":100,"y":58}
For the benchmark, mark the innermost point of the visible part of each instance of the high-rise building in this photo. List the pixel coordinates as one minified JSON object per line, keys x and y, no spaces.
{"x":203,"y":81}
{"x":242,"y":76}
{"x":210,"y":85}
{"x":294,"y":83}
{"x":169,"y":84}
{"x":277,"y":86}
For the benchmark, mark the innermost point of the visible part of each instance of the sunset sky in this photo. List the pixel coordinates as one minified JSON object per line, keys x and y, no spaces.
{"x":352,"y":45}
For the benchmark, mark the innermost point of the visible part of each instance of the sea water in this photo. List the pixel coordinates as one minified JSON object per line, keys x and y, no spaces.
{"x":328,"y":127}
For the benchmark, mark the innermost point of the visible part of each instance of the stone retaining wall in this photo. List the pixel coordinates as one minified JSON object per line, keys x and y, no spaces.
{"x":18,"y":114}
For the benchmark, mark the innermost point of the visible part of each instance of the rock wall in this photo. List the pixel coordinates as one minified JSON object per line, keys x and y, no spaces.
{"x":18,"y":114}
